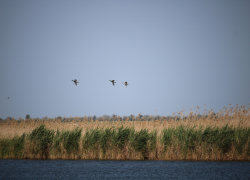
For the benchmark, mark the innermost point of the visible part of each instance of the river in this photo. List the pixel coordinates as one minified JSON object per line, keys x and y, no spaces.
{"x":96,"y":169}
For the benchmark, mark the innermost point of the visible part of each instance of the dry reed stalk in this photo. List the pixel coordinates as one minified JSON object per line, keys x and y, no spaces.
{"x":235,"y":117}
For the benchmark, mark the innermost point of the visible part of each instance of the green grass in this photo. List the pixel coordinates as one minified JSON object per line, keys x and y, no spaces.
{"x":210,"y":143}
{"x":18,"y":143}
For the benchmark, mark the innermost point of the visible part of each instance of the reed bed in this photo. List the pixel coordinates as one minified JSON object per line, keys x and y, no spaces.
{"x":211,"y":136}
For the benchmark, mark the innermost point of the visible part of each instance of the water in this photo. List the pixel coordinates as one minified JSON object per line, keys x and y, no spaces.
{"x":87,"y":169}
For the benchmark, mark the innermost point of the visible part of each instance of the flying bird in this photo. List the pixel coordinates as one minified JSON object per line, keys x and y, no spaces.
{"x":75,"y":81}
{"x":113,"y":81}
{"x":8,"y":98}
{"x":126,"y":83}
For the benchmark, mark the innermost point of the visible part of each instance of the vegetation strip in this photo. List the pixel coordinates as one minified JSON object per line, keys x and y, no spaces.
{"x":125,"y":143}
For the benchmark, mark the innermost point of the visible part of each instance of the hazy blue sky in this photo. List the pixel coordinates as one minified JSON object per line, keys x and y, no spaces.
{"x":174,"y":54}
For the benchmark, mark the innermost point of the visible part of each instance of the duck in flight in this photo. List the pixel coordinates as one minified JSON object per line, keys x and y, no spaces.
{"x":8,"y":98}
{"x":126,"y":83}
{"x":75,"y":81}
{"x":113,"y":81}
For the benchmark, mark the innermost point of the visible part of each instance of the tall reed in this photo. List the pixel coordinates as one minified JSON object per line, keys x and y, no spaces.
{"x":180,"y":143}
{"x":209,"y":136}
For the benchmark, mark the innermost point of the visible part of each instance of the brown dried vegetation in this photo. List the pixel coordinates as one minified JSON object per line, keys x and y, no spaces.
{"x":209,"y":136}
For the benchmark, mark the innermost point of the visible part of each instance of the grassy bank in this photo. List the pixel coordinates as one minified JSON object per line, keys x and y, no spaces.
{"x":211,"y":136}
{"x":180,"y":143}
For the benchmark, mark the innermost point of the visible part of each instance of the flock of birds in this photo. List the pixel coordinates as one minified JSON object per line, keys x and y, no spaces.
{"x":75,"y":81}
{"x":113,"y":82}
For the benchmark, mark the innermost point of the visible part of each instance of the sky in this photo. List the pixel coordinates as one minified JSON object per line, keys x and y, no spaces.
{"x":175,"y":55}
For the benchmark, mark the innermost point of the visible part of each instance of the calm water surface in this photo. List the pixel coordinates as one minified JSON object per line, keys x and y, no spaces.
{"x":88,"y":169}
